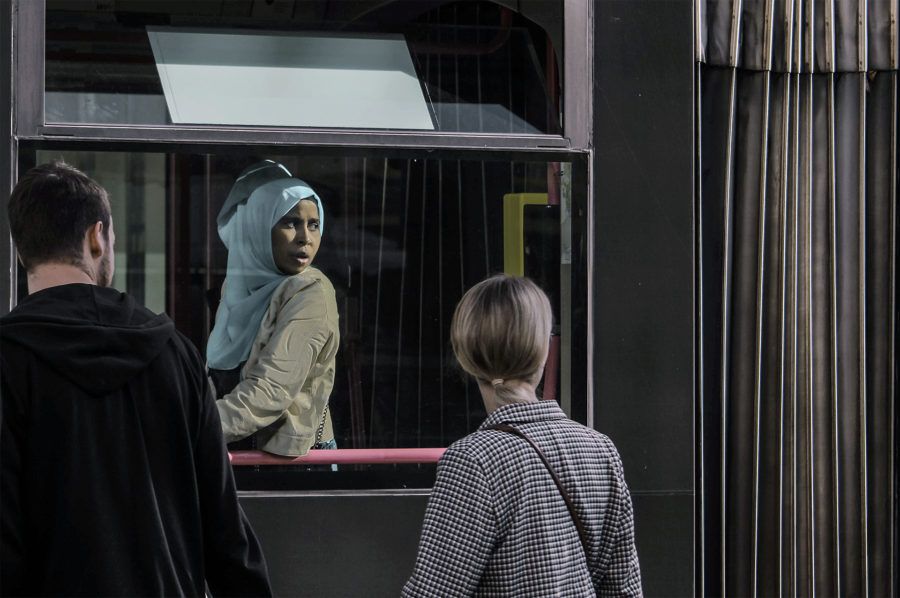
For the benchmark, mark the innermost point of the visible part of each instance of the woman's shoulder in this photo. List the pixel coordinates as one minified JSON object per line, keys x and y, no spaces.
{"x":308,"y":291}
{"x":481,"y":446}
{"x":463,"y":454}
{"x":493,"y":448}
{"x":580,"y":440}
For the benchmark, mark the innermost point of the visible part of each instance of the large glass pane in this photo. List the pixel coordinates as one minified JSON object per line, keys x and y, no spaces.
{"x":404,"y":238}
{"x":446,"y":66}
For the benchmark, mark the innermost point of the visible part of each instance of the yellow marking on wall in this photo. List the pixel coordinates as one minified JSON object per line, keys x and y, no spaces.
{"x":514,"y":229}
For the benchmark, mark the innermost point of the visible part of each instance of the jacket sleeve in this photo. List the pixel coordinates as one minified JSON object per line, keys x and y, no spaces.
{"x":459,"y":531}
{"x":233,"y":558}
{"x":12,"y":556}
{"x":621,"y":575}
{"x":273,"y":382}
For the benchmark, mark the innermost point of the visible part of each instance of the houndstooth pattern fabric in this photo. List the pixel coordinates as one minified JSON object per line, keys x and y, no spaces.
{"x":496,"y":524}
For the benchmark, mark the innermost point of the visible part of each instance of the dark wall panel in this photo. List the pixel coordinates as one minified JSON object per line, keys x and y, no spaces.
{"x":644,"y":238}
{"x":376,"y":540}
{"x":664,"y":531}
{"x":644,"y":270}
{"x":337,"y":545}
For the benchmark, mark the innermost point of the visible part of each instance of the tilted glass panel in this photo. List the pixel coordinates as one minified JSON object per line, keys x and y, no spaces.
{"x":294,"y":79}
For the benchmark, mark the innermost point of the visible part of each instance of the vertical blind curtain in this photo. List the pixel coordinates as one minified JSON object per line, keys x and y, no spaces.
{"x":797,"y":242}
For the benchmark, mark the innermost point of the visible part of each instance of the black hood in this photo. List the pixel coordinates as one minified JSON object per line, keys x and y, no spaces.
{"x":98,"y":338}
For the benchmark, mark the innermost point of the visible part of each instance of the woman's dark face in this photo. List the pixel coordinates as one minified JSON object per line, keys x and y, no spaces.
{"x":296,"y":238}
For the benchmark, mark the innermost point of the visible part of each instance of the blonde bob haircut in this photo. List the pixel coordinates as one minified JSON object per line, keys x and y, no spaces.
{"x":501,"y":334}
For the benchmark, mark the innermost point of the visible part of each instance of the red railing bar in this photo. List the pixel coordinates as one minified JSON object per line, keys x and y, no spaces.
{"x":387,"y":456}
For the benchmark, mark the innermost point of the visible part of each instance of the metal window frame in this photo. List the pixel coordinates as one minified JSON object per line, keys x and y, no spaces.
{"x":29,"y":17}
{"x":8,"y":155}
{"x":582,"y":214}
{"x":22,"y":36}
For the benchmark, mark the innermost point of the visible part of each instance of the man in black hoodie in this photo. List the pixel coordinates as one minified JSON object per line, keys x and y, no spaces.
{"x":115,"y":479}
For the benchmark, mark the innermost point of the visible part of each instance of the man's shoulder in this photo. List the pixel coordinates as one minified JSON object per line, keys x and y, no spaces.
{"x":185,"y":350}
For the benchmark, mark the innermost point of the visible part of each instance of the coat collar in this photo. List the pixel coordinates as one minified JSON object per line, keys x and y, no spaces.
{"x":524,"y":413}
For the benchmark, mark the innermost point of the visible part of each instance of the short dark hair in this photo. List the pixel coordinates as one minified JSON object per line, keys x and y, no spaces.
{"x":50,"y":209}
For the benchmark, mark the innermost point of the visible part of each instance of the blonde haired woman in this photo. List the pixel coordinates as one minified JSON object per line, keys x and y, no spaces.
{"x":532,"y":503}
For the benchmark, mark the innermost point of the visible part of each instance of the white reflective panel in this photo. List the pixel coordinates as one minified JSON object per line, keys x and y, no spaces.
{"x":232,"y":77}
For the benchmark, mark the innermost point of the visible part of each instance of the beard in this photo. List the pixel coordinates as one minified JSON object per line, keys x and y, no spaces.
{"x":105,"y":271}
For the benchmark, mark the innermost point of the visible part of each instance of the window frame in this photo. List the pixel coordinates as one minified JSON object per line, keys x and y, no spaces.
{"x":581,"y":165}
{"x":577,"y":86}
{"x":23,"y":34}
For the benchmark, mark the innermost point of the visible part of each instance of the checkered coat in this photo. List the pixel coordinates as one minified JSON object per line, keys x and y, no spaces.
{"x":496,"y":524}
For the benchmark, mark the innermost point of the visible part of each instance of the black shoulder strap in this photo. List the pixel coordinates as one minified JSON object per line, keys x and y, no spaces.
{"x":582,"y":534}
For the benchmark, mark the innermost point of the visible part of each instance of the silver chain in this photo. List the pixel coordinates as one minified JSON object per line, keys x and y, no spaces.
{"x":321,"y":429}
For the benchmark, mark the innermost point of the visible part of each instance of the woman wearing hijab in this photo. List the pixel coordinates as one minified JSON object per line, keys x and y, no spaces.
{"x":272,"y":350}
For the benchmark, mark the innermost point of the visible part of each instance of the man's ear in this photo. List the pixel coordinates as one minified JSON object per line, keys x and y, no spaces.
{"x":95,"y":239}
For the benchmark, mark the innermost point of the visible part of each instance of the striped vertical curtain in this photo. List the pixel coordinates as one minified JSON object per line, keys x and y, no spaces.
{"x":796,"y":184}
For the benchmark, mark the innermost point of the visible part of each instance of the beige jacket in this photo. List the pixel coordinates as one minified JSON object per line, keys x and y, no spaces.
{"x":286,"y":381}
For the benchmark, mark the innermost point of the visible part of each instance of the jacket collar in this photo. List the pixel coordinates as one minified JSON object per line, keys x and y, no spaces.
{"x":524,"y":413}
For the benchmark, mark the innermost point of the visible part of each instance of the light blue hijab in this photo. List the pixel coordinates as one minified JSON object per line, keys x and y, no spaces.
{"x":260,"y":197}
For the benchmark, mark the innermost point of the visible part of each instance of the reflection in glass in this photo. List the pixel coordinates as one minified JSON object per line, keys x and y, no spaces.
{"x":404,"y":239}
{"x":466,"y":66}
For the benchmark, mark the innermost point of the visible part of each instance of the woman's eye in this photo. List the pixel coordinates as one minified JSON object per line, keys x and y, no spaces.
{"x":313,"y":225}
